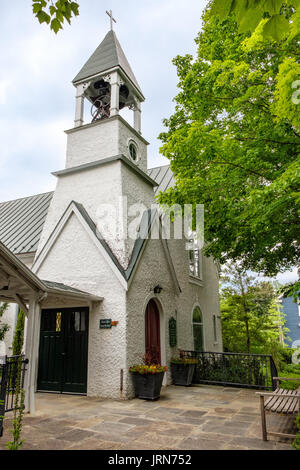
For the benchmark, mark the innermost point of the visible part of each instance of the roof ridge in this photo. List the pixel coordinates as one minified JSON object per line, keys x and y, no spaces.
{"x":159,"y":166}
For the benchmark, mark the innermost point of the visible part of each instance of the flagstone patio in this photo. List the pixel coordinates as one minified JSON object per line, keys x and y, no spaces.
{"x":195,"y":418}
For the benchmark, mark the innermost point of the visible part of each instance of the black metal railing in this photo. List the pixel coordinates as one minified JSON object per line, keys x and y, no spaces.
{"x":234,"y":369}
{"x":12,"y":377}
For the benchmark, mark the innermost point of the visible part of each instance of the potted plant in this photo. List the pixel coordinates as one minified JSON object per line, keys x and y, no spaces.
{"x":148,"y":378}
{"x":182,"y":369}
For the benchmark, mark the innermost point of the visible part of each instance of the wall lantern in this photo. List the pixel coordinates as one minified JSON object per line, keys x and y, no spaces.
{"x":157,"y":289}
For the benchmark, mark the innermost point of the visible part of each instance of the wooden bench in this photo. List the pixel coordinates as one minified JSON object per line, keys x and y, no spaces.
{"x":284,"y":402}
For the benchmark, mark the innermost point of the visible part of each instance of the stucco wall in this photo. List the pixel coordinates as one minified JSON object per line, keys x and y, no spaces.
{"x":76,"y":261}
{"x":95,"y":188}
{"x":91,"y":188}
{"x":103,"y":139}
{"x":204,"y":294}
{"x":152,"y":270}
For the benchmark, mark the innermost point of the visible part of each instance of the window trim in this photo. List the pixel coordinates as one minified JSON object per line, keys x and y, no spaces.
{"x":199,"y":324}
{"x":215,"y":329}
{"x":193,"y":276}
{"x":133,"y":142}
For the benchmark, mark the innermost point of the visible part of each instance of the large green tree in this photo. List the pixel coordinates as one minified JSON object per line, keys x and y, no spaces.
{"x":232,"y":151}
{"x":271,"y":14}
{"x":251,"y":319}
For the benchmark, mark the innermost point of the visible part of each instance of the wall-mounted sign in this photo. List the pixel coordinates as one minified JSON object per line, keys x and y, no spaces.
{"x":173,"y":332}
{"x":105,"y":324}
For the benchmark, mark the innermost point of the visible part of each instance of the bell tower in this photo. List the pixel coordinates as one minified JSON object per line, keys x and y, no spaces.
{"x":106,"y":84}
{"x":106,"y":160}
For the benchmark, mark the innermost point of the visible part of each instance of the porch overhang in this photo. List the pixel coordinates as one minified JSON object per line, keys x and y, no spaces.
{"x":18,"y":284}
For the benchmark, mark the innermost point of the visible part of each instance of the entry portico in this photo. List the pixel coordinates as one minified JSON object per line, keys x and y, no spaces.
{"x":19,"y":285}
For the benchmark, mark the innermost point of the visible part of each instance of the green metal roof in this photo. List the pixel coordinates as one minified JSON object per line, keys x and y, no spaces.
{"x":107,"y":56}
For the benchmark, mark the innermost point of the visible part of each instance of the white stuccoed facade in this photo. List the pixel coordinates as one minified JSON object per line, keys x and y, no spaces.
{"x":99,"y":171}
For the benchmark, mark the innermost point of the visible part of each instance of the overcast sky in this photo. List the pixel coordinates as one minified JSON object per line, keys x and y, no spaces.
{"x":36,"y":95}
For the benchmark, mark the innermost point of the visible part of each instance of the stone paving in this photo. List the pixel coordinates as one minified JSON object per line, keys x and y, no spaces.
{"x":194,"y":418}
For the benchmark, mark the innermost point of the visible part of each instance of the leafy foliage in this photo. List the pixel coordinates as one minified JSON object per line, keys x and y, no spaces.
{"x":296,"y":443}
{"x":18,"y":340}
{"x":291,"y":290}
{"x":250,"y":13}
{"x":291,"y":371}
{"x":3,"y":326}
{"x":181,"y":358}
{"x":234,"y":146}
{"x":54,"y":14}
{"x":248,"y":370}
{"x":144,"y":369}
{"x":251,"y":319}
{"x":149,"y":365}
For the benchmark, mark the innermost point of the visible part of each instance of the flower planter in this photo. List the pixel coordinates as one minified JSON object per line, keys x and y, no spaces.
{"x":147,"y":386}
{"x":182,"y":374}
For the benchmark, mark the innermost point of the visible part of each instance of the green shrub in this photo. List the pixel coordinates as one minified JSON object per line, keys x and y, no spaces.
{"x":292,"y":368}
{"x":286,"y":355}
{"x":296,"y":443}
{"x":19,"y":335}
{"x":3,"y":326}
{"x":290,"y":371}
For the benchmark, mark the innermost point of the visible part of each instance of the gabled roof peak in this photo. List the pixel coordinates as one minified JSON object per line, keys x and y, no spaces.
{"x":108,"y":55}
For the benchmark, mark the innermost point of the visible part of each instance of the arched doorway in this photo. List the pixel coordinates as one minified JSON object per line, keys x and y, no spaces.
{"x":152,"y":323}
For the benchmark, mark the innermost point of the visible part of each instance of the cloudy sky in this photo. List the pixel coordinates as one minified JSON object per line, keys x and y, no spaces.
{"x":36,"y":95}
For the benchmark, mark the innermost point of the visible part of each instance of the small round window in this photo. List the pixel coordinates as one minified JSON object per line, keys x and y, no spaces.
{"x":133,"y":151}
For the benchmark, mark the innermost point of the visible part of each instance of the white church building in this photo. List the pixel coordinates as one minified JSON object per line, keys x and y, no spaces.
{"x":97,"y":300}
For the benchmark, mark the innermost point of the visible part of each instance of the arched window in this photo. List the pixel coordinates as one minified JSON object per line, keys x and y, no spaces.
{"x":133,"y":151}
{"x":198,"y":330}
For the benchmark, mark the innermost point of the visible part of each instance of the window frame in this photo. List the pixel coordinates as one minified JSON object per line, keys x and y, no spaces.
{"x":132,"y":142}
{"x":215,"y":329}
{"x":198,"y":324}
{"x":195,"y":266}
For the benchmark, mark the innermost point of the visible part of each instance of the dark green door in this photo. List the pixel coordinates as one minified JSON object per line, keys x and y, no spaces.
{"x":63,"y":352}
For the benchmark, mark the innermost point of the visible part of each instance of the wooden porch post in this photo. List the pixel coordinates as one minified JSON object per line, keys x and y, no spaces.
{"x":31,"y":353}
{"x":263,"y":418}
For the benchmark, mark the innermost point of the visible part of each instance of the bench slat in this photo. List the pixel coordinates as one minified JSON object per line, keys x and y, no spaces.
{"x":286,"y":402}
{"x":275,"y":402}
{"x":292,"y":404}
{"x":277,"y":407}
{"x":270,"y":401}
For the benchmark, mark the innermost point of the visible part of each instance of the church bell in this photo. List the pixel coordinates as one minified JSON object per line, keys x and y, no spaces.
{"x":101,"y":102}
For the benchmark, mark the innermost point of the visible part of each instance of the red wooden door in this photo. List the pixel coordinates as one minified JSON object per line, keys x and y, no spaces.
{"x":153,"y":332}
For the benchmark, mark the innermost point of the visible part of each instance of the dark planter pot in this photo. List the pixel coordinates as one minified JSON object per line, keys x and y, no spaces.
{"x":147,"y":386}
{"x":182,"y":374}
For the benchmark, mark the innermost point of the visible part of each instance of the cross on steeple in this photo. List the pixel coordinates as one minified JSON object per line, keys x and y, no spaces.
{"x":110,"y":14}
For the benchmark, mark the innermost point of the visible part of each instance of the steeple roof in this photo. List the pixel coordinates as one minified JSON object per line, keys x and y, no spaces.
{"x":107,"y":56}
